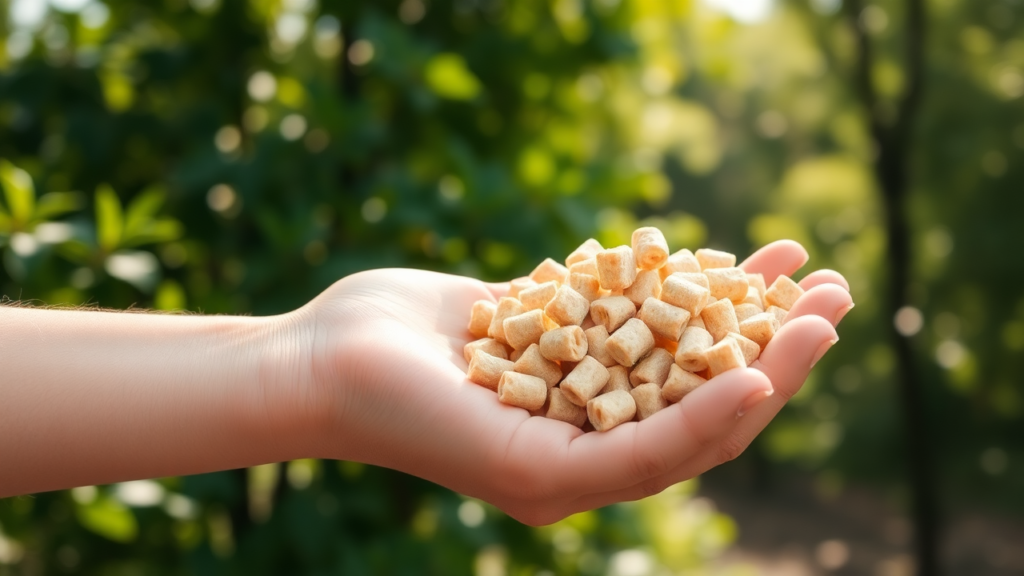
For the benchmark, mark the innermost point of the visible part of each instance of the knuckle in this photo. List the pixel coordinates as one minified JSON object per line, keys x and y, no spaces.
{"x":730,"y":449}
{"x":649,"y":464}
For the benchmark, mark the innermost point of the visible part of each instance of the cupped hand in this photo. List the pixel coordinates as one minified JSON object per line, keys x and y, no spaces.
{"x":387,"y":386}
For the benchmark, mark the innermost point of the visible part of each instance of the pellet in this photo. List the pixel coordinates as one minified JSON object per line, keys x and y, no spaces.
{"x":697,"y":278}
{"x":744,"y":311}
{"x":680,"y":292}
{"x":779,"y":313}
{"x":588,"y":249}
{"x":559,"y":408}
{"x":566,"y":344}
{"x":514,"y":355}
{"x":612,"y":312}
{"x":486,"y":370}
{"x":549,"y":270}
{"x":532,"y":362}
{"x":730,"y":283}
{"x":750,"y":349}
{"x":720,"y":319}
{"x":681,"y":261}
{"x":507,"y":308}
{"x":696,"y":321}
{"x":489,"y":345}
{"x":760,"y":328}
{"x":525,"y":329}
{"x":679,"y":384}
{"x":648,"y":400}
{"x":653,"y":369}
{"x":693,"y":346}
{"x":725,"y":356}
{"x":568,"y":307}
{"x":585,"y":381}
{"x":536,"y":297}
{"x":631,"y":342}
{"x":618,"y":379}
{"x":609,"y":410}
{"x":650,"y":247}
{"x":522,"y":390}
{"x":518,"y":285}
{"x":665,"y":320}
{"x":757,"y":281}
{"x":783,"y":293}
{"x":597,"y":338}
{"x":588,"y":286}
{"x":709,"y":258}
{"x":754,"y":298}
{"x":480,"y":317}
{"x":646,"y":285}
{"x":588,"y":266}
{"x":616,"y":268}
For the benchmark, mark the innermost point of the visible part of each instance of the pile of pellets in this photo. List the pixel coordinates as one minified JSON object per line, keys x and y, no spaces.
{"x":618,"y":334}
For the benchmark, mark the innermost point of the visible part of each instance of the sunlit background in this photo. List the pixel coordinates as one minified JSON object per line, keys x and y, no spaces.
{"x":238,"y":156}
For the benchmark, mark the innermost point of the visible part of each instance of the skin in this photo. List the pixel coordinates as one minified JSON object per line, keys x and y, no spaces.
{"x":371,"y":371}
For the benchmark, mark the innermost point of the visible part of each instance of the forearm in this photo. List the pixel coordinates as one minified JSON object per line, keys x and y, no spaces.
{"x":99,"y":397}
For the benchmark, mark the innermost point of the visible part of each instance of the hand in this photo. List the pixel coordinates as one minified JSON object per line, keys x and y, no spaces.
{"x":387,"y":386}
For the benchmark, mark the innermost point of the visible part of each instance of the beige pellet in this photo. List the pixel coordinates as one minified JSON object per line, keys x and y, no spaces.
{"x":525,"y":329}
{"x":566,"y":344}
{"x":549,"y":270}
{"x":709,"y":258}
{"x":486,"y":370}
{"x":489,"y":345}
{"x":616,"y":268}
{"x":749,"y":348}
{"x":679,"y":384}
{"x":727,"y":283}
{"x":779,"y":314}
{"x":681,"y":261}
{"x":522,"y":390}
{"x":480,"y":317}
{"x":720,"y":319}
{"x":588,"y":286}
{"x":692,"y":348}
{"x":724,"y":356}
{"x":650,"y":248}
{"x":588,"y":323}
{"x":588,"y":266}
{"x":631,"y":342}
{"x":518,"y":285}
{"x":536,"y":297}
{"x":588,"y":249}
{"x":609,"y":410}
{"x":757,"y":281}
{"x":696,"y":321}
{"x":559,"y":408}
{"x":664,"y":319}
{"x":597,"y":337}
{"x":783,"y":293}
{"x":646,"y":285}
{"x":648,"y":400}
{"x":507,"y":308}
{"x":585,"y":381}
{"x":532,"y":362}
{"x":754,"y":297}
{"x":568,"y":307}
{"x":618,"y":379}
{"x":697,"y":278}
{"x":744,"y":311}
{"x":612,"y":312}
{"x":680,"y":292}
{"x":760,"y":328}
{"x":653,"y":369}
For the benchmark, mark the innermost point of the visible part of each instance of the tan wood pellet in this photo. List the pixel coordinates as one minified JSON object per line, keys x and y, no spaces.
{"x":757,"y":281}
{"x":650,"y":247}
{"x":783,"y":293}
{"x":648,"y":399}
{"x":681,"y":261}
{"x":597,"y":338}
{"x":486,"y":370}
{"x":709,"y":259}
{"x":616,"y":268}
{"x":618,"y":379}
{"x":536,"y":297}
{"x":585,"y":381}
{"x":750,"y":349}
{"x":680,"y":292}
{"x":568,"y":307}
{"x":587,"y":250}
{"x":730,"y":283}
{"x":693,"y":347}
{"x":696,"y":322}
{"x":744,"y":311}
{"x":725,"y":356}
{"x":525,"y":329}
{"x":522,"y":390}
{"x":489,"y":345}
{"x":612,"y":312}
{"x":779,"y":313}
{"x":653,"y":369}
{"x":588,"y":286}
{"x":664,"y":319}
{"x":507,"y":308}
{"x":565,"y":344}
{"x":532,"y":362}
{"x":609,"y":410}
{"x":720,"y":319}
{"x":549,"y":270}
{"x":679,"y":384}
{"x":754,"y":298}
{"x":647,"y":285}
{"x":588,"y":266}
{"x":559,"y":408}
{"x":631,"y":342}
{"x":760,"y":328}
{"x":480,"y":316}
{"x":515,"y":287}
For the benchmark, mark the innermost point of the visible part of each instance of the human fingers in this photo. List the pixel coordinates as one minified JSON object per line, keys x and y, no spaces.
{"x":779,"y":257}
{"x":824,"y":276}
{"x":497,"y":289}
{"x":636,"y":451}
{"x":829,"y":301}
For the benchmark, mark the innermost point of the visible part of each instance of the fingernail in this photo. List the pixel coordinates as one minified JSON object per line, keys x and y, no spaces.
{"x":753,"y":400}
{"x":821,"y":351}
{"x":842,"y":313}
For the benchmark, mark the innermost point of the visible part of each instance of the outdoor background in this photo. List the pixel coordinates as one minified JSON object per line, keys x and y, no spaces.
{"x":238,"y":156}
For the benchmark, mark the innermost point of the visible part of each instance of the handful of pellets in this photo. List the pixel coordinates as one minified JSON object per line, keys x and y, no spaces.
{"x":618,"y":334}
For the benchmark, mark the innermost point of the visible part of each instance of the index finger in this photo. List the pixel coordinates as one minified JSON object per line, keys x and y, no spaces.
{"x":779,"y":257}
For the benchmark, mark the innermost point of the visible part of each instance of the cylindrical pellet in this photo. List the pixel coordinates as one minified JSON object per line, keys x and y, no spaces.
{"x":779,"y":313}
{"x":648,"y":400}
{"x":480,"y":317}
{"x":559,"y":408}
{"x":549,"y":270}
{"x":664,"y":319}
{"x":489,"y":345}
{"x":650,"y":248}
{"x":646,"y":285}
{"x":681,"y":261}
{"x":783,"y":293}
{"x":709,"y":258}
{"x":692,"y":348}
{"x":585,"y":381}
{"x":566,"y":344}
{"x":518,"y":285}
{"x":609,"y":410}
{"x":532,"y":362}
{"x":754,"y":297}
{"x":486,"y":370}
{"x":744,"y":311}
{"x":749,"y":348}
{"x":679,"y":384}
{"x":631,"y":342}
{"x":588,"y":266}
{"x":653,"y":369}
{"x":696,"y":321}
{"x":724,"y":356}
{"x":588,"y":249}
{"x":720,"y":319}
{"x":588,"y":286}
{"x":760,"y":328}
{"x":507,"y":308}
{"x":522,"y":390}
{"x":587,"y":323}
{"x":616,"y":268}
{"x":568,"y":307}
{"x":536,"y":297}
{"x":684,"y":294}
{"x":524,"y":329}
{"x":757,"y":281}
{"x":728,"y":283}
{"x":612,"y":312}
{"x":597,"y":338}
{"x":697,"y":278}
{"x":618,"y":379}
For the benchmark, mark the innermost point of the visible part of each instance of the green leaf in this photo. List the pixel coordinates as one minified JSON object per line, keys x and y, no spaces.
{"x":142,"y":210}
{"x":109,"y":519}
{"x":5,"y":222}
{"x":109,"y":218}
{"x":155,"y":232}
{"x":449,"y":77}
{"x":19,"y":191}
{"x":76,"y":251}
{"x":56,"y":204}
{"x":170,"y":295}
